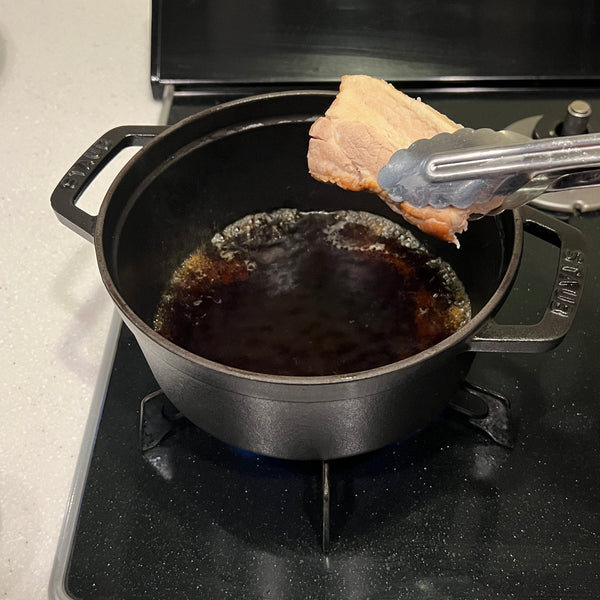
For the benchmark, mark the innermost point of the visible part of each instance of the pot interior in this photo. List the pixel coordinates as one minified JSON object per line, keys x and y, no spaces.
{"x":199,"y":177}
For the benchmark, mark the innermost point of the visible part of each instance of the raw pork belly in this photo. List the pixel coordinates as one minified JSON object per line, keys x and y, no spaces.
{"x":366,"y":123}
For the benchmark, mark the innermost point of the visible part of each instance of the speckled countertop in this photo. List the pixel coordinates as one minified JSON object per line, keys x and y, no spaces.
{"x":69,"y":71}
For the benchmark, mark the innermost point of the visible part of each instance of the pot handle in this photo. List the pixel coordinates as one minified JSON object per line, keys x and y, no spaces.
{"x":92,"y":161}
{"x":564,"y":299}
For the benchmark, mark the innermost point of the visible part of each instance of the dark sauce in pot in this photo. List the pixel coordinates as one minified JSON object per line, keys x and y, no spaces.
{"x":306,"y":294}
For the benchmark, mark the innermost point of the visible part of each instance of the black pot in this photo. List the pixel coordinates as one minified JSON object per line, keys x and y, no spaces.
{"x":248,"y":156}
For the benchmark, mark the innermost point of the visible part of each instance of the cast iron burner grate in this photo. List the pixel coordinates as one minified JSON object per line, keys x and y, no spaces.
{"x":483,"y":409}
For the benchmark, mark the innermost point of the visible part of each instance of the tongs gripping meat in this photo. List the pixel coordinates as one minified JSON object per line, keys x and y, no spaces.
{"x":367,"y":122}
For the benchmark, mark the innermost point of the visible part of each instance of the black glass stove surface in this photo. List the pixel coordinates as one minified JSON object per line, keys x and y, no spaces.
{"x":447,"y":513}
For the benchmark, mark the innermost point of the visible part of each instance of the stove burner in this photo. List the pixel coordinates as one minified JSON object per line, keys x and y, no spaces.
{"x":576,"y":119}
{"x":482,"y":408}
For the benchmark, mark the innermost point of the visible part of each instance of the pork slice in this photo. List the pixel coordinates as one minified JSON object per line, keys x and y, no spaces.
{"x":366,"y":123}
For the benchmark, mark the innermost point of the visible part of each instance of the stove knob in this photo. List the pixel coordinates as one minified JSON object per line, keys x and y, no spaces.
{"x":577,"y":118}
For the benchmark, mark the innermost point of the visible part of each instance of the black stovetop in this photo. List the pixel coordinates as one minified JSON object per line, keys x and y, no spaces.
{"x":447,"y":513}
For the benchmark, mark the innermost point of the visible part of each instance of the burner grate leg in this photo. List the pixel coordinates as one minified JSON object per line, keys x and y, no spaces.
{"x":326,"y":530}
{"x":487,"y":411}
{"x":158,"y":418}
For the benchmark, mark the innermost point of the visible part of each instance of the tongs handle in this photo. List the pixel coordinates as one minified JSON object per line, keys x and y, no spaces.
{"x":552,"y":156}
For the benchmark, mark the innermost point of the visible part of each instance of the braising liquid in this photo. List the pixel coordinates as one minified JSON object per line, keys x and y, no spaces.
{"x":305,"y":294}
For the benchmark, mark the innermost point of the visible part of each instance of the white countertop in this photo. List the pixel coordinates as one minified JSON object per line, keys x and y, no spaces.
{"x":69,"y":71}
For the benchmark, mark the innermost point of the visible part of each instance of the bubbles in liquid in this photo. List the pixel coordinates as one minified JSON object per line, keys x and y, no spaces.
{"x":293,"y":293}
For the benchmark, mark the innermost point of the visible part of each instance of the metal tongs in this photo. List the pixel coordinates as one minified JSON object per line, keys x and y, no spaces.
{"x":475,"y":166}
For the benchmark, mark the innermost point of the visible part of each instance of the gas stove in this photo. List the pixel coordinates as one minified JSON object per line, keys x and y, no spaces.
{"x":498,"y":497}
{"x":162,"y":509}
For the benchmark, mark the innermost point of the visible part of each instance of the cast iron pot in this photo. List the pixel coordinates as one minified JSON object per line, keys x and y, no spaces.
{"x":247,"y":156}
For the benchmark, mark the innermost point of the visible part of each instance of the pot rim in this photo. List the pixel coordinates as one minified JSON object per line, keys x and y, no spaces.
{"x":454,"y":340}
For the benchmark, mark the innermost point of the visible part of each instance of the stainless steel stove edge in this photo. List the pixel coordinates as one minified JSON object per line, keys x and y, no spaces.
{"x":57,"y":584}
